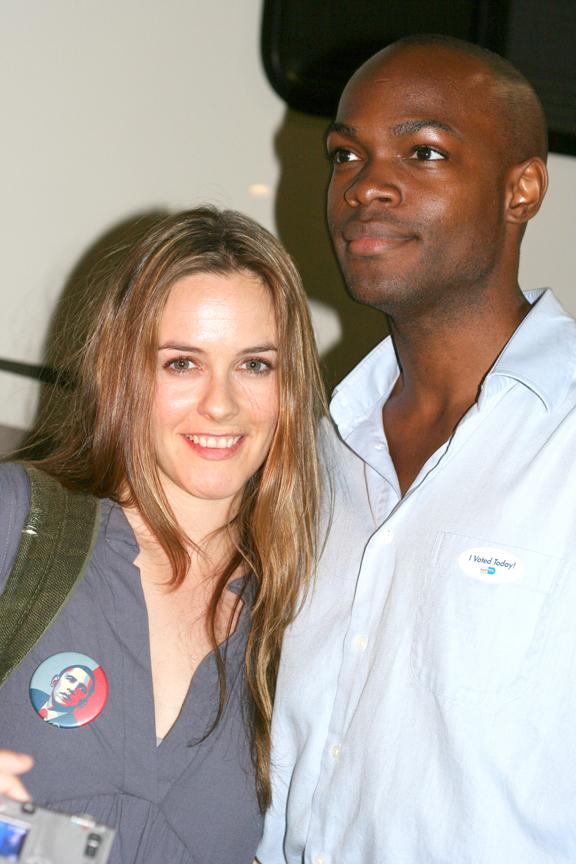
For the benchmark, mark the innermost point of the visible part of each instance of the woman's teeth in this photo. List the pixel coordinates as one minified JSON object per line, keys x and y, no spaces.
{"x":211,"y":441}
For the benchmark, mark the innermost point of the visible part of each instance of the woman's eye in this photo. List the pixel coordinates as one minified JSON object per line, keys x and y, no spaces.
{"x":257,"y":367}
{"x":180,"y":364}
{"x":341,"y":155}
{"x":425,"y":153}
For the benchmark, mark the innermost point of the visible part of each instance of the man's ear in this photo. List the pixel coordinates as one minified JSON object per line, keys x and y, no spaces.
{"x":527,"y":185}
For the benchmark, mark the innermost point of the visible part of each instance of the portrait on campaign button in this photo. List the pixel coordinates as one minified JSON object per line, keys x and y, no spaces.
{"x":69,"y":690}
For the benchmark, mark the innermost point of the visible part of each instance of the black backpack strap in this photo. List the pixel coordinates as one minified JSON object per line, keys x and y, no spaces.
{"x":55,"y":547}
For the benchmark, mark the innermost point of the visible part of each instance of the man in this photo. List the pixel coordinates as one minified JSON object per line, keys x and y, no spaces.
{"x":425,"y":706}
{"x":69,"y":690}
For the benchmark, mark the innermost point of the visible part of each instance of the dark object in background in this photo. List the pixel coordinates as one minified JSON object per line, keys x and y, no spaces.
{"x":45,"y":374}
{"x":311,"y":47}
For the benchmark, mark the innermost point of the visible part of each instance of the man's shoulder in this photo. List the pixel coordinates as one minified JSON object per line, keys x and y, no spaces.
{"x":347,"y":520}
{"x":38,"y":698}
{"x":342,"y":468}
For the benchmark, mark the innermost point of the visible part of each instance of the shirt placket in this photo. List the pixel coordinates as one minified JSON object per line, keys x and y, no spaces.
{"x":370,"y":597}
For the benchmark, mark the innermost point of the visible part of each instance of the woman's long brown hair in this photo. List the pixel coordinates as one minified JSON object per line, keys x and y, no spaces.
{"x":105,"y":447}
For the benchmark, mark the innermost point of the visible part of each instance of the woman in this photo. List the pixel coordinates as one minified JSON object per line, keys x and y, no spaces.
{"x":193,"y":422}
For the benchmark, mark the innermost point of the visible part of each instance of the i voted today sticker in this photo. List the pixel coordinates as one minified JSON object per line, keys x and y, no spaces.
{"x":487,"y":564}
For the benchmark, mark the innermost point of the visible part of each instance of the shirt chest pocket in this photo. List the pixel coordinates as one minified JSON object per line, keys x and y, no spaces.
{"x":481,"y":619}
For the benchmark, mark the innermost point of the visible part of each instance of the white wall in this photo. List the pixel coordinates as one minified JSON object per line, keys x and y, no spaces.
{"x":112,"y":108}
{"x":549,"y":249}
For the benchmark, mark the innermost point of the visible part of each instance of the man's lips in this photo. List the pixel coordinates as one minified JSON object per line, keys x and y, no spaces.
{"x":373,"y":238}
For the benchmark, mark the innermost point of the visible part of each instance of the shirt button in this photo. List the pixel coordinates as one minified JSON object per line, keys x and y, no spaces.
{"x":319,"y":859}
{"x":336,"y":751}
{"x":387,"y":535}
{"x":360,"y":642}
{"x":379,"y":446}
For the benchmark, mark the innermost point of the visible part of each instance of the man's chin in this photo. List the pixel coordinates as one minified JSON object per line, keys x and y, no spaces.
{"x":62,"y":706}
{"x":381,"y":296}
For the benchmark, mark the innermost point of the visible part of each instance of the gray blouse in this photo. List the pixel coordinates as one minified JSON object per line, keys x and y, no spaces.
{"x":190,"y":800}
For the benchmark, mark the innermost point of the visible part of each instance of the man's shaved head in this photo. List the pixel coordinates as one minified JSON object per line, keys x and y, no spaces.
{"x":515,"y":100}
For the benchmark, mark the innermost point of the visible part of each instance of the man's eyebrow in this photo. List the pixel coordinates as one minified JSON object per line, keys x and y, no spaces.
{"x":341,"y":129}
{"x":409,"y":127}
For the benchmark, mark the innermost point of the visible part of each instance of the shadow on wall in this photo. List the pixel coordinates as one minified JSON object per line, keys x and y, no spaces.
{"x":301,"y":223}
{"x":301,"y":226}
{"x":72,"y":320}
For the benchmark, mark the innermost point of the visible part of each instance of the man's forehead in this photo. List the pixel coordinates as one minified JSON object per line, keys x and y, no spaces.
{"x":423,"y":83}
{"x":77,"y":672}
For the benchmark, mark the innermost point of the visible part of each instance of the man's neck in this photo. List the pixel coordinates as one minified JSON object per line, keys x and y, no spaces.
{"x":443,"y":360}
{"x":49,"y":711}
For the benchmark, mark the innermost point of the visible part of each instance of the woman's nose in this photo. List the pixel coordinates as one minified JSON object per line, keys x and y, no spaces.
{"x":218,"y":401}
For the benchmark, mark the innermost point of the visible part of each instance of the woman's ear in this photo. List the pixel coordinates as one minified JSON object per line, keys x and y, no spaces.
{"x":528,"y":182}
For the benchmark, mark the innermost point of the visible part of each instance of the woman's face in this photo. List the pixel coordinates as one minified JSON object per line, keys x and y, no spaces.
{"x":216,"y":400}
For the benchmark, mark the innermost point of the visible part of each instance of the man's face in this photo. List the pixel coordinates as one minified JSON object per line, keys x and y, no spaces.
{"x":70,"y":688}
{"x":416,"y":198}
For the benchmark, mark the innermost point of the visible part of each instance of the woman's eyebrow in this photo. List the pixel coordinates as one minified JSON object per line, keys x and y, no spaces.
{"x":259,"y":349}
{"x":177,"y":346}
{"x":192,"y":349}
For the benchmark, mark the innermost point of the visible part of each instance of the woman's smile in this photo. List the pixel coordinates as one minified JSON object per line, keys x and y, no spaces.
{"x":215,"y":447}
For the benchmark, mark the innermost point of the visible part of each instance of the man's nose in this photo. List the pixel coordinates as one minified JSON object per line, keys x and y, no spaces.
{"x":218,"y":401}
{"x":377,"y":181}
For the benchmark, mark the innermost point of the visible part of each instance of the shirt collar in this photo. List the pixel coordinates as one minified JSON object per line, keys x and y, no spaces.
{"x":117,"y":530}
{"x":369,"y":383}
{"x":541,"y":355}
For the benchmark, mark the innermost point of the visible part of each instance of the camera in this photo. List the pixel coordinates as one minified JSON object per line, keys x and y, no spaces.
{"x":30,"y":834}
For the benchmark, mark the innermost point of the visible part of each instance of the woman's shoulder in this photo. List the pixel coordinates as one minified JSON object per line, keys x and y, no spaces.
{"x":14,"y":490}
{"x":14,"y":504}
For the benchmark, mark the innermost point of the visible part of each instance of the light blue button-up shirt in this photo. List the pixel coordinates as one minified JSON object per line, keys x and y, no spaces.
{"x":426,"y":703}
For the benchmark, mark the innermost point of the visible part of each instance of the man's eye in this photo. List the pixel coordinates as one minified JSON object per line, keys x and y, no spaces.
{"x":340,"y":155}
{"x":180,"y":364}
{"x":425,"y":153}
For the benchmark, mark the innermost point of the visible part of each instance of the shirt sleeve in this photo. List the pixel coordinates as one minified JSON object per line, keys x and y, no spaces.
{"x":271,"y":848}
{"x":14,"y":504}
